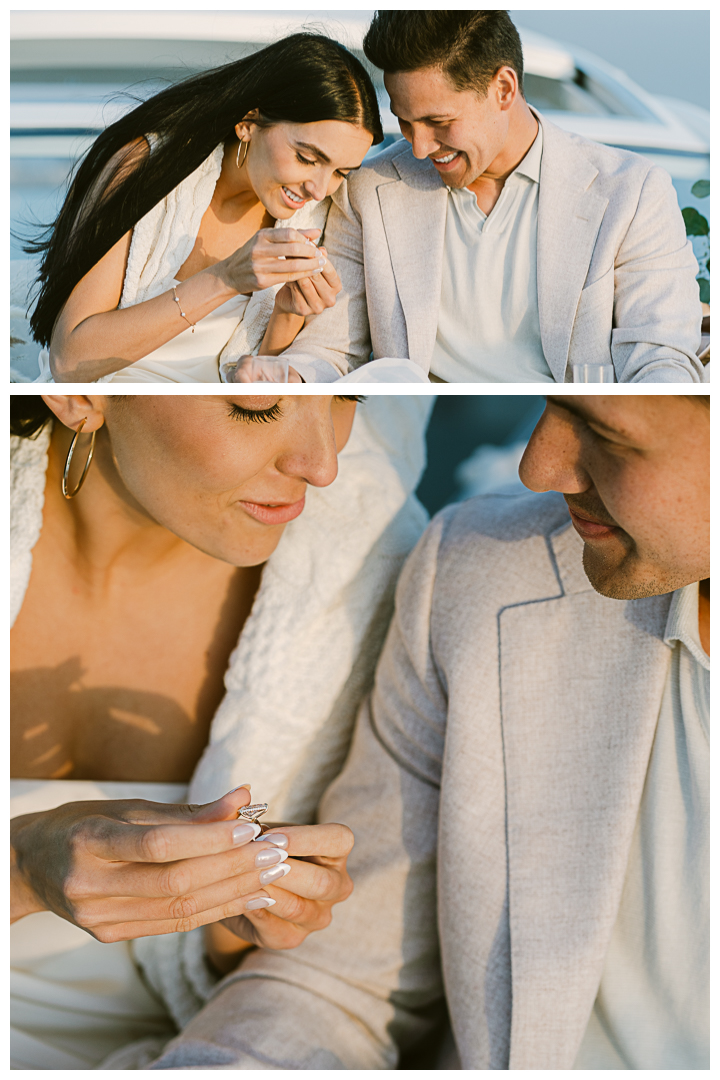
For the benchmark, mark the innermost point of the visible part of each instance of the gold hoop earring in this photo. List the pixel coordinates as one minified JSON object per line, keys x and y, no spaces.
{"x":68,"y":462}
{"x":247,"y":146}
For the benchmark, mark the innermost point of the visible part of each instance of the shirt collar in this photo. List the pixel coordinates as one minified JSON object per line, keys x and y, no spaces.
{"x":530,"y":164}
{"x":682,"y":623}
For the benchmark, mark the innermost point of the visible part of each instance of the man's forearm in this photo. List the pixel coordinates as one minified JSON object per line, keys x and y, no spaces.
{"x":657,"y":311}
{"x":332,"y":1002}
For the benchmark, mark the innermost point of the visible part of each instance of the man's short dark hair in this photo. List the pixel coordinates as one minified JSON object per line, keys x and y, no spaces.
{"x":470,"y":47}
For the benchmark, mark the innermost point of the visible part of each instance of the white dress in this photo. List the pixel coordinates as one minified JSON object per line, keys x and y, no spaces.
{"x":191,"y":356}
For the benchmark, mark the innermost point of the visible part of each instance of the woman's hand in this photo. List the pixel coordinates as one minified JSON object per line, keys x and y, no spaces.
{"x":271,"y":257}
{"x":130,"y":868}
{"x":303,"y":875}
{"x":310,"y":295}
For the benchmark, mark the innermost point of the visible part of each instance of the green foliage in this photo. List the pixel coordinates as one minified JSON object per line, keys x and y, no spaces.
{"x":697,"y":225}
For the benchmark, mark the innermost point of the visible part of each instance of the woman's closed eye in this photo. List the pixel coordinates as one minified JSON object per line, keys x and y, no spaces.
{"x":307,"y":161}
{"x":255,"y":416}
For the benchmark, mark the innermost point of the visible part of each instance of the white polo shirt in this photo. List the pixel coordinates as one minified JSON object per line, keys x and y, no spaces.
{"x":652,"y":1010}
{"x":489,"y":327}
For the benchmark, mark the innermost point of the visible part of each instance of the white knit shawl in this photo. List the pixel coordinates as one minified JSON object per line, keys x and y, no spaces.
{"x":164,"y":238}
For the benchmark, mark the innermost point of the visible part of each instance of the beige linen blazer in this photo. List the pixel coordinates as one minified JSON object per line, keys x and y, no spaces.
{"x":493,"y":787}
{"x":616,"y":272}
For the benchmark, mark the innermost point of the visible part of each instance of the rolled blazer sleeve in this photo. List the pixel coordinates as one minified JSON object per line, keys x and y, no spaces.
{"x":657,"y":312}
{"x":354,"y":995}
{"x":337,"y":341}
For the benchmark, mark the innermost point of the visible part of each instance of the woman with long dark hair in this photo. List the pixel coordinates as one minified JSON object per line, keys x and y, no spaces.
{"x":167,"y":252}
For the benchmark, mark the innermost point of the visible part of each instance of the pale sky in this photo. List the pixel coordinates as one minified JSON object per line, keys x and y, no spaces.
{"x":666,"y":52}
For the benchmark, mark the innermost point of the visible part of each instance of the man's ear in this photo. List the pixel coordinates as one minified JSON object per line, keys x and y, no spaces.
{"x":70,"y":409}
{"x":507,"y":86}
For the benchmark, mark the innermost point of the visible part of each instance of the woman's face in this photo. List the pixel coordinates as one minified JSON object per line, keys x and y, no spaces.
{"x":226,"y":474}
{"x":289,"y":164}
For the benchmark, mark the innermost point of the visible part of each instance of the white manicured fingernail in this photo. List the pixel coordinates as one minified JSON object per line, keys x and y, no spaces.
{"x":275,"y":873}
{"x":243,"y":834}
{"x":277,"y":838}
{"x":259,"y":902}
{"x":270,"y":856}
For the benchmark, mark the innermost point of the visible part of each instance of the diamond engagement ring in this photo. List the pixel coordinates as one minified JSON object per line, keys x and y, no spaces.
{"x":252,"y":812}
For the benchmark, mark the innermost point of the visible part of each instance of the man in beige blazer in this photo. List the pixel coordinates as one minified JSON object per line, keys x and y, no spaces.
{"x":489,"y":245}
{"x":528,"y":785}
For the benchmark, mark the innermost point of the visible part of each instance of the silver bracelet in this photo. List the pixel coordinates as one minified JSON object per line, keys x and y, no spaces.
{"x":176,"y":298}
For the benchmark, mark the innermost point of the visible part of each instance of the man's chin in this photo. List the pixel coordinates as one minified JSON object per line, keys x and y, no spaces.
{"x":625,"y":578}
{"x":457,"y":177}
{"x":463,"y":178}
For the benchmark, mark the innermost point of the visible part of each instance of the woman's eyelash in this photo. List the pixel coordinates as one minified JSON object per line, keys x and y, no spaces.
{"x":264,"y":416}
{"x":307,"y":161}
{"x":256,"y":416}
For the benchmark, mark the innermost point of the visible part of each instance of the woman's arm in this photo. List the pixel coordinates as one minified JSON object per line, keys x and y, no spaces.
{"x":282,"y":329}
{"x":92,"y":338}
{"x":298,"y":303}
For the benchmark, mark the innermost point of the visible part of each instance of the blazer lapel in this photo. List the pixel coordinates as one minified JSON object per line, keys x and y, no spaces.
{"x":569,"y":218}
{"x":577,"y":735}
{"x":413,"y":211}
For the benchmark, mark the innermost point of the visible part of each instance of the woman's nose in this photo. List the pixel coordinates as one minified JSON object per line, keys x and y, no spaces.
{"x":311,"y":455}
{"x":552,"y":458}
{"x":318,"y":187}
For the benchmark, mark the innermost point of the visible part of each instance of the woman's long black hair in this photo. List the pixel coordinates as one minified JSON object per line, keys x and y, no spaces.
{"x":28,"y":415}
{"x":301,"y":79}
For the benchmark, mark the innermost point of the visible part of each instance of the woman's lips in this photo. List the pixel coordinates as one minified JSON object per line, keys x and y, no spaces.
{"x":591,"y":530}
{"x":273,"y":514}
{"x":290,"y":202}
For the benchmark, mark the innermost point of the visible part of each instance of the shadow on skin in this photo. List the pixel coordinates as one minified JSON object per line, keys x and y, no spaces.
{"x":98,"y":733}
{"x":62,"y":729}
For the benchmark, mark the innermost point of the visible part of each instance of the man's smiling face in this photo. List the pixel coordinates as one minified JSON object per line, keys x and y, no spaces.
{"x":461,"y":131}
{"x":635,"y":473}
